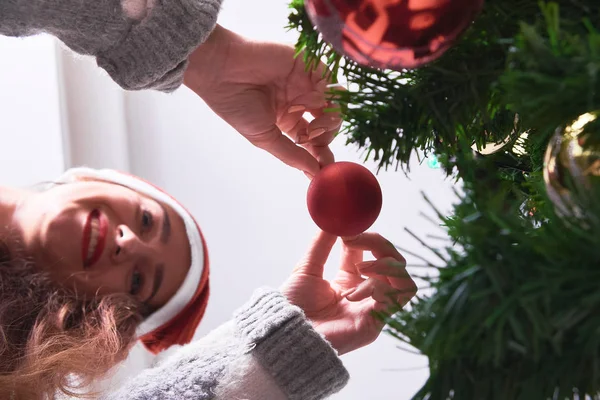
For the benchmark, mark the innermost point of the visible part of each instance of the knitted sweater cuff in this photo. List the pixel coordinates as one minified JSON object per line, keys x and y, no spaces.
{"x":302,"y":362}
{"x":154,"y":52}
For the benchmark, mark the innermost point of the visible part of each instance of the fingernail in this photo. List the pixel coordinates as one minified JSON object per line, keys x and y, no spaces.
{"x":294,"y":109}
{"x":316,"y":132}
{"x":335,"y":86}
{"x":301,"y":139}
{"x":309,"y":175}
{"x":348,"y":293}
{"x":365,"y":265}
{"x":349,"y":238}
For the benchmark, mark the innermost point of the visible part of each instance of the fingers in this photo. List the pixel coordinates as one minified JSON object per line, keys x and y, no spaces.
{"x":321,"y":137}
{"x":312,"y":100}
{"x":392,"y":275}
{"x":287,"y":151}
{"x":324,"y":122}
{"x":379,"y":246}
{"x":322,"y":153}
{"x":387,"y":269}
{"x":348,"y":276}
{"x":316,"y":135}
{"x":373,"y":288}
{"x":383,"y":297}
{"x":317,"y":255}
{"x":294,"y":125}
{"x":319,"y":132}
{"x":322,"y":133}
{"x":388,"y":285}
{"x":328,"y":117}
{"x":351,"y":257}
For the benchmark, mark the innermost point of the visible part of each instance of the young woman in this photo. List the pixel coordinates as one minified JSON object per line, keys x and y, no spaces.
{"x":101,"y":259}
{"x":95,"y":235}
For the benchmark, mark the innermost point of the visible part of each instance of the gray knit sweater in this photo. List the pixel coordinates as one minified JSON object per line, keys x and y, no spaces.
{"x":269,"y":351}
{"x":142,"y":51}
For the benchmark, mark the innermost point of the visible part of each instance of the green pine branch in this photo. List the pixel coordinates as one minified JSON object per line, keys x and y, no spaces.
{"x":514,"y":311}
{"x":513,"y":59}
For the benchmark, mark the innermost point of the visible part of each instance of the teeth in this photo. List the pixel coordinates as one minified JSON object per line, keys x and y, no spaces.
{"x":93,"y":237}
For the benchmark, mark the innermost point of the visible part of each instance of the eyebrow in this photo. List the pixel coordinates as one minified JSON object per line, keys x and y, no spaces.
{"x":158,"y":277}
{"x":165,"y":233}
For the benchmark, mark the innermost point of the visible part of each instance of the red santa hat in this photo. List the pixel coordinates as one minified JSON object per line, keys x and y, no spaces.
{"x":175,"y":323}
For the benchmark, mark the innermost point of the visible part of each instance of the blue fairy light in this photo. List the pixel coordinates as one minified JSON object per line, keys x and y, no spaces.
{"x":432,"y":162}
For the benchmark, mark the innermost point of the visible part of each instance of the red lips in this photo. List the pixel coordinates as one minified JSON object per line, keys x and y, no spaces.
{"x":96,"y":224}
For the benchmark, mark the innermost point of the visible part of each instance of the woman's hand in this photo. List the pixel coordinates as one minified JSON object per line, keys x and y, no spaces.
{"x":262,"y":90}
{"x":342,"y":310}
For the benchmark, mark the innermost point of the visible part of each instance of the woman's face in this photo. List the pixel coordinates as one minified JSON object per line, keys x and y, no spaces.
{"x":102,"y":238}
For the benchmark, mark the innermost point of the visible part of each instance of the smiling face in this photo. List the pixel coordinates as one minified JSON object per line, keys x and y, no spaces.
{"x":102,"y":238}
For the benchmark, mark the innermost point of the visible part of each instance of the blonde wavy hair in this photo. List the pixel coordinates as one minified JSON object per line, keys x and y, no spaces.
{"x":49,"y":335}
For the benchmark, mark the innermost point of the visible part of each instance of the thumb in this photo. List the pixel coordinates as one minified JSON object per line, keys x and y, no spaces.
{"x":287,"y":151}
{"x":317,"y":255}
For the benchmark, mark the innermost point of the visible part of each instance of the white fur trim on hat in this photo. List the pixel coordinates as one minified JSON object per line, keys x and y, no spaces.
{"x":185,"y":293}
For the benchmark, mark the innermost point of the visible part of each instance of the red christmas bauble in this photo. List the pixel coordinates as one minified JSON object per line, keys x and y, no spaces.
{"x":344,"y":199}
{"x":392,"y":34}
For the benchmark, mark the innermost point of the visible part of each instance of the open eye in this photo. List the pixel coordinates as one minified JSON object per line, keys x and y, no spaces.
{"x":137,"y":281}
{"x":147,"y":221}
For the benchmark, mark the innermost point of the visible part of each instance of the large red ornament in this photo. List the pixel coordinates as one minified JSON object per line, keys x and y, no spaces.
{"x":392,"y":34}
{"x":344,"y":199}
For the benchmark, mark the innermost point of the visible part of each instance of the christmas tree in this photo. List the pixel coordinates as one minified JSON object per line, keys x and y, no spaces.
{"x":512,"y":110}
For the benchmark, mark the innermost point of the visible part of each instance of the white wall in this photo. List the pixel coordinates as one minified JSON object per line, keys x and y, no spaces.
{"x":94,"y":119}
{"x":251,"y":208}
{"x":30,"y":124}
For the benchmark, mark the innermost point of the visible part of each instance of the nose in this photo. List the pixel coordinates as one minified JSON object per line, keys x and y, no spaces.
{"x":129,"y":247}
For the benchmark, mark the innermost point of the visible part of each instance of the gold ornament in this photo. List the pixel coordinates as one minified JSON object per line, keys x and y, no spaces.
{"x":491,"y":147}
{"x":572,"y":162}
{"x":509,"y":143}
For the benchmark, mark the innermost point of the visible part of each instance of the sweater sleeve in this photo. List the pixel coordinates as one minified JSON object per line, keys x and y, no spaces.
{"x":142,"y":44}
{"x":269,"y":350}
